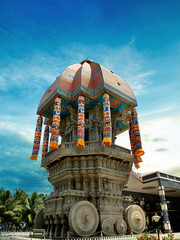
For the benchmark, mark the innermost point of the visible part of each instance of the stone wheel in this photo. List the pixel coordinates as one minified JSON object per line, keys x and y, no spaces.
{"x":121,"y":226}
{"x":83,"y":218}
{"x":135,"y":218}
{"x":107,"y":226}
{"x":39,"y":220}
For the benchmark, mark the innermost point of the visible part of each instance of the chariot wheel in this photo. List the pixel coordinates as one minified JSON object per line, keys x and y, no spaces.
{"x":83,"y":218}
{"x":121,"y":226}
{"x":107,"y":226}
{"x":135,"y":218}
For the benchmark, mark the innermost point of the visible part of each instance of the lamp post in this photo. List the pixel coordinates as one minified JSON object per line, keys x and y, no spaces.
{"x":156,"y":218}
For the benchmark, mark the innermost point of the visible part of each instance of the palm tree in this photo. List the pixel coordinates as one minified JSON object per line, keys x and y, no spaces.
{"x":13,"y":211}
{"x":31,"y":205}
{"x":5,"y":197}
{"x":20,"y":209}
{"x":36,"y":203}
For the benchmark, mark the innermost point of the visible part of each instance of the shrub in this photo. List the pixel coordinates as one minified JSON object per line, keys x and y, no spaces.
{"x":146,"y":236}
{"x":169,"y":237}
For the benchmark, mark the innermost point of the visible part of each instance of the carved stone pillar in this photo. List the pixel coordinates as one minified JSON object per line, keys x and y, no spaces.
{"x":70,"y":183}
{"x":86,"y":183}
{"x":93,"y":184}
{"x":64,"y":227}
{"x":51,"y":226}
{"x":57,"y":223}
{"x":47,"y":223}
{"x":164,"y":210}
{"x":78,"y":183}
{"x":83,"y":162}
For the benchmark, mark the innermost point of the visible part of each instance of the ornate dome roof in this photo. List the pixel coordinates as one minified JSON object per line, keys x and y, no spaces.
{"x":91,"y":80}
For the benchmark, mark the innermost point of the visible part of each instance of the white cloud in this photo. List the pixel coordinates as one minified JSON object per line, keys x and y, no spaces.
{"x":139,"y":81}
{"x":159,"y":109}
{"x":160,"y":155}
{"x":30,"y":72}
{"x":20,"y":126}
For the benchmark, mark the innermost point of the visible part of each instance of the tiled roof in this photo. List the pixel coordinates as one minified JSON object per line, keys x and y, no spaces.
{"x":88,"y":77}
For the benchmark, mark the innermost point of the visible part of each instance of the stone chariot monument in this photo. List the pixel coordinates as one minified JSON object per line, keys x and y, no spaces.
{"x":88,"y":106}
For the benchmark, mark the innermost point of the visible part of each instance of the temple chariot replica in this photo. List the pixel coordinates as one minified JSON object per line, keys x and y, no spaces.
{"x":88,"y":106}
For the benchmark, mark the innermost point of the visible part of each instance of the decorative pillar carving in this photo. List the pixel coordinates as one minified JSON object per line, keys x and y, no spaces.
{"x":135,"y":138}
{"x":57,"y":223}
{"x":51,"y":226}
{"x":64,"y":224}
{"x":55,"y":125}
{"x":45,"y":141}
{"x":47,"y":223}
{"x":107,"y":132}
{"x":80,"y":141}
{"x":164,"y":209}
{"x":37,"y":139}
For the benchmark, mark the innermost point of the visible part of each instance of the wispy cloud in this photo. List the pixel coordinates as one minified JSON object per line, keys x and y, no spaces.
{"x":159,"y":139}
{"x":140,"y":81}
{"x":160,"y":109}
{"x":160,"y":135}
{"x":161,"y":150}
{"x":31,"y":72}
{"x":147,"y":137}
{"x":20,"y":126}
{"x":42,"y":68}
{"x":126,"y":61}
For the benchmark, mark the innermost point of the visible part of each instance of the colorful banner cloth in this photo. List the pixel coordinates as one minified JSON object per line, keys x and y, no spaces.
{"x":37,"y":139}
{"x":55,"y":125}
{"x":107,"y":132}
{"x":135,"y":138}
{"x":45,"y":141}
{"x":131,"y":136}
{"x":80,"y":140}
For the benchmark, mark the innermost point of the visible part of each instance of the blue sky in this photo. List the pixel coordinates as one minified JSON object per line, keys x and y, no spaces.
{"x":138,"y":40}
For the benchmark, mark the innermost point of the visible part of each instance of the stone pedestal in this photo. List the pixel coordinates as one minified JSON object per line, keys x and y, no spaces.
{"x":88,"y":185}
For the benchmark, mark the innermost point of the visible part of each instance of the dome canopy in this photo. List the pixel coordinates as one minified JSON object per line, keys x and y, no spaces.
{"x":91,"y":80}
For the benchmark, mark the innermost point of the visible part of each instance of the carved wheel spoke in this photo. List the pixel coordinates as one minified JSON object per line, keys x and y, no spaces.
{"x":135,"y":218}
{"x":121,"y":226}
{"x":83,"y":218}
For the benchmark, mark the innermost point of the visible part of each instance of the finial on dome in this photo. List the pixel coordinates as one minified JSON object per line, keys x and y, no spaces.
{"x":86,"y":60}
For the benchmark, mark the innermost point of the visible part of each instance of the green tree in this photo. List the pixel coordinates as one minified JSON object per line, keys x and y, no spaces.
{"x":19,"y":209}
{"x":5,"y":197}
{"x":13,"y":211}
{"x":36,"y":203}
{"x":31,"y":205}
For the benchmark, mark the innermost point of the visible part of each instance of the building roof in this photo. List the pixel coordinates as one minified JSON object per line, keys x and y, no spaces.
{"x":148,"y":184}
{"x":91,"y":80}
